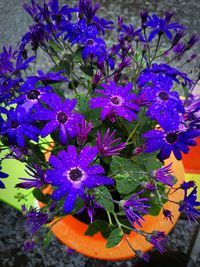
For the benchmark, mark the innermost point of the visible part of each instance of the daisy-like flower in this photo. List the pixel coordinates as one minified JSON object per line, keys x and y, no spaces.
{"x":108,"y":146}
{"x":116,"y":101}
{"x":170,"y":140}
{"x":161,"y":100}
{"x":73,"y":173}
{"x":2,"y":175}
{"x":189,"y":203}
{"x":60,"y":116}
{"x":19,"y":125}
{"x":135,"y":208}
{"x":164,"y":175}
{"x":162,"y":26}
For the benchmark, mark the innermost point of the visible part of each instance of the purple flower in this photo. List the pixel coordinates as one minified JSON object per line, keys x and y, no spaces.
{"x":164,"y":176}
{"x":35,"y":220}
{"x":2,"y":176}
{"x":161,"y":70}
{"x":73,"y":173}
{"x":83,"y":129}
{"x":192,"y":41}
{"x":31,"y":97}
{"x":144,"y":16}
{"x":87,"y":9}
{"x":117,"y":101}
{"x":29,"y":245}
{"x":162,"y":26}
{"x":161,"y":100}
{"x":186,"y":185}
{"x":108,"y":146}
{"x":18,"y":125}
{"x":192,"y":109}
{"x":47,"y":78}
{"x":60,"y":116}
{"x":189,"y":203}
{"x":168,"y":215}
{"x":130,"y":34}
{"x":143,"y":256}
{"x":170,"y":140}
{"x":94,"y":48}
{"x":135,"y":208}
{"x":157,"y":238}
{"x":37,"y":181}
{"x":90,"y":206}
{"x":101,"y":24}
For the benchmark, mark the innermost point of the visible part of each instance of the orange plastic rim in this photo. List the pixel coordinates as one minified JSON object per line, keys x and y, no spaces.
{"x":70,"y":231}
{"x":191,"y":161}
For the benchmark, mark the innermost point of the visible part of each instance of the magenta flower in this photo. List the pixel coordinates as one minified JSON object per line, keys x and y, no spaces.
{"x":83,"y":129}
{"x":108,"y":146}
{"x":116,"y":101}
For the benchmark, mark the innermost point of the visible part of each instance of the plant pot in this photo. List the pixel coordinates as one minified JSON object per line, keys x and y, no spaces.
{"x":191,"y":161}
{"x":70,"y":231}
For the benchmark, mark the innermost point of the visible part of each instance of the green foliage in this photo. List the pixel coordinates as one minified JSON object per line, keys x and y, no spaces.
{"x":83,"y":108}
{"x":149,"y":162}
{"x":98,"y":226}
{"x":114,"y":238}
{"x":104,"y":198}
{"x":127,"y":174}
{"x":41,"y":197}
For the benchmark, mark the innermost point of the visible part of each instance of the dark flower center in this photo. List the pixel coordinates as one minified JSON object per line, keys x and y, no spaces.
{"x":33,"y":94}
{"x":171,"y":138}
{"x":115,"y":100}
{"x":62,"y":117}
{"x":90,"y":42}
{"x":75,"y":174}
{"x":163,"y":96}
{"x":14,"y":124}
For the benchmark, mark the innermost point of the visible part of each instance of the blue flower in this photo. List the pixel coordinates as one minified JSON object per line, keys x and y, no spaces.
{"x":59,"y":116}
{"x":189,"y":203}
{"x":162,"y":70}
{"x":117,"y":101}
{"x":73,"y":173}
{"x":19,"y":125}
{"x":161,"y":99}
{"x":162,"y":26}
{"x":2,"y":176}
{"x":171,"y":139}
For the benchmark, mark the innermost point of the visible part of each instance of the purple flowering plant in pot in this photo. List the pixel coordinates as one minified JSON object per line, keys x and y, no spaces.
{"x":110,"y":114}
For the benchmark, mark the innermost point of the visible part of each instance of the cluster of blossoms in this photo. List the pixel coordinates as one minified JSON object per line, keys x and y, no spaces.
{"x":99,"y":106}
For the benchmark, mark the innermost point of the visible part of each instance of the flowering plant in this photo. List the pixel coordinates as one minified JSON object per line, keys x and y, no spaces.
{"x":108,"y":113}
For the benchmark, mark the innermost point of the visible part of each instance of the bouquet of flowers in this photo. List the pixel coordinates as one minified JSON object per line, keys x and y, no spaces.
{"x":97,"y":126}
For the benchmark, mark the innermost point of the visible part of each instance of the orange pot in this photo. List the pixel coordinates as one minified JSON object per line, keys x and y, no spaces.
{"x":191,"y":161}
{"x":71,"y":231}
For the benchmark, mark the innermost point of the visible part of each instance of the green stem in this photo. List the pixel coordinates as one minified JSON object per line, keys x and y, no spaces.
{"x":109,"y":218}
{"x":132,"y":133}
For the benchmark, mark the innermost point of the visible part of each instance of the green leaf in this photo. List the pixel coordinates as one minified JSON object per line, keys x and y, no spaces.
{"x":47,"y":239}
{"x":127,"y":174}
{"x":40,"y":196}
{"x":114,"y":238}
{"x":104,"y":198}
{"x":98,"y":226}
{"x":149,"y":161}
{"x":65,"y":65}
{"x":88,"y":70}
{"x":156,"y":206}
